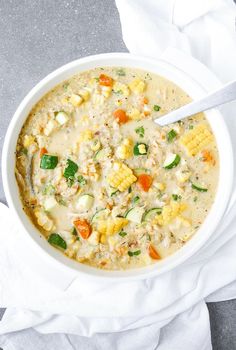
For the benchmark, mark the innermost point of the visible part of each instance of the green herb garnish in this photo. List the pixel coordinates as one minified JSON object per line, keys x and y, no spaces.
{"x":156,"y":108}
{"x":70,"y":169}
{"x":140,"y":131}
{"x":114,"y":192}
{"x":118,"y":92}
{"x":70,"y":181}
{"x":195,"y":199}
{"x":171,"y":135}
{"x":62,"y":202}
{"x":120,"y":72}
{"x":48,"y":162}
{"x":48,"y":190}
{"x":137,"y":252}
{"x":65,"y":86}
{"x":24,"y":151}
{"x":81,"y":180}
{"x":122,"y":233}
{"x":74,"y":232}
{"x":136,"y":199}
{"x":56,"y":240}
{"x":176,"y":197}
{"x":130,"y":189}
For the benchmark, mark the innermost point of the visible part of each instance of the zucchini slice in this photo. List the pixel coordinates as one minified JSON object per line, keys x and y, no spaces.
{"x":140,"y":149}
{"x":151,"y":213}
{"x":135,"y":215}
{"x":100,"y":214}
{"x":199,"y":188}
{"x":171,"y":161}
{"x":48,"y":161}
{"x":139,"y":171}
{"x":100,"y":154}
{"x":85,"y":202}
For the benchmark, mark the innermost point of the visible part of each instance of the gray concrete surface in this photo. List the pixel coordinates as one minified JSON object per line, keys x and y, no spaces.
{"x":39,"y":36}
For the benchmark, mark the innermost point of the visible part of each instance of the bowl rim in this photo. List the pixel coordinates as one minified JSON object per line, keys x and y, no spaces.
{"x":189,"y":85}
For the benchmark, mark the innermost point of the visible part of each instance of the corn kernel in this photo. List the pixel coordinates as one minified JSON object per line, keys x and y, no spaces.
{"x":103,"y":239}
{"x":86,"y":135}
{"x":137,"y":86}
{"x":121,"y":88}
{"x":28,"y":140}
{"x":196,"y":139}
{"x":121,"y":177}
{"x":125,"y":150}
{"x":106,"y":91}
{"x":111,"y":226}
{"x":169,"y":213}
{"x":96,"y":145}
{"x":134,"y":114}
{"x":160,"y":186}
{"x":85,"y":94}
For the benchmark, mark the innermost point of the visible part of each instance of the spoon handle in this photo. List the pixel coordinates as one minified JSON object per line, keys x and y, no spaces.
{"x":225,"y":94}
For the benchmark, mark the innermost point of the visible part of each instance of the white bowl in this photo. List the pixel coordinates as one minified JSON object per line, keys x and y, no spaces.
{"x":46,"y":253}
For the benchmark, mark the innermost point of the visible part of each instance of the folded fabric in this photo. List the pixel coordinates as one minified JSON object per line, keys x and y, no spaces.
{"x":155,"y":311}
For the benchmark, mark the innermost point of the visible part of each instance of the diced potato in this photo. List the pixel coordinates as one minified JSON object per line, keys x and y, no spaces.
{"x":183,"y":175}
{"x":49,"y":203}
{"x":43,"y":220}
{"x":62,"y":118}
{"x":50,"y":127}
{"x":98,"y":99}
{"x":28,"y":140}
{"x":76,"y":100}
{"x":142,"y":148}
{"x":94,"y":238}
{"x":106,"y":91}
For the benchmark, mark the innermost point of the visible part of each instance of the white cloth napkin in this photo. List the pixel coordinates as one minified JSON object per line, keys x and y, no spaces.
{"x":134,"y":314}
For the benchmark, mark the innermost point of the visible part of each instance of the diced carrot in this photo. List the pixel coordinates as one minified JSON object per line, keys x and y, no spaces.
{"x":153,"y":253}
{"x":42,"y":152}
{"x":208,"y":157}
{"x":145,"y":101}
{"x":120,"y":116}
{"x":83,"y":228}
{"x":145,"y":181}
{"x":105,"y":80}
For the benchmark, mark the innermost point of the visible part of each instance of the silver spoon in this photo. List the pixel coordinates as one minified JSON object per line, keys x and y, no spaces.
{"x":223,"y":95}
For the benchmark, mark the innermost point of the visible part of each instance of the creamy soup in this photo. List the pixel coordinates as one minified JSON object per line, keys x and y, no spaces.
{"x":102,"y":182}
